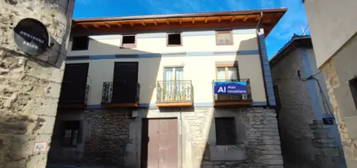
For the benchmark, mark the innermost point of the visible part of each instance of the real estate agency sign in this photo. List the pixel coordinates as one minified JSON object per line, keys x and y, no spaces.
{"x":231,"y":87}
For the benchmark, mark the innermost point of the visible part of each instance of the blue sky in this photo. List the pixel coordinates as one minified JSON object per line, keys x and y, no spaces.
{"x":294,"y":20}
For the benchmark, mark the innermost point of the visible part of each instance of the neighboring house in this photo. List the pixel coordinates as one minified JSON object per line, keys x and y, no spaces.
{"x":186,"y":90}
{"x":334,"y":36}
{"x":308,"y":133}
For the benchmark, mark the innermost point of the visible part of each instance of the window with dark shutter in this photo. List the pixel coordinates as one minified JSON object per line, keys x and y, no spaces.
{"x":74,"y":85}
{"x":225,"y":131}
{"x":129,"y":41}
{"x":174,"y":39}
{"x":71,"y":133}
{"x":80,"y":43}
{"x":353,"y":86}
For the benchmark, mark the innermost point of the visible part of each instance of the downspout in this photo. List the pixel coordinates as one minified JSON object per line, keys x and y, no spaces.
{"x":261,"y":56}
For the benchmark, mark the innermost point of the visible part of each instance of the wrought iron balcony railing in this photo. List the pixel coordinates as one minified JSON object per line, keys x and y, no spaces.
{"x":175,"y":91}
{"x":233,"y":92}
{"x":114,"y":92}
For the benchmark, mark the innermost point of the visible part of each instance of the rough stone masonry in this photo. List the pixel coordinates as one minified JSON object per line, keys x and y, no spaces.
{"x":29,"y":89}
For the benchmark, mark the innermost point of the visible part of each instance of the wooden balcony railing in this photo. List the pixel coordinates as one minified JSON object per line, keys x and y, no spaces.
{"x":232,"y":92}
{"x":174,"y":93}
{"x":124,"y":97}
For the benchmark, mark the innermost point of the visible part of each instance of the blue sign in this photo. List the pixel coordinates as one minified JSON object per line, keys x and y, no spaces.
{"x":231,"y":87}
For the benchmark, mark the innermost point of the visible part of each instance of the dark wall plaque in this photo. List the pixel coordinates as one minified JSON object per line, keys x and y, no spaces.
{"x":31,"y":36}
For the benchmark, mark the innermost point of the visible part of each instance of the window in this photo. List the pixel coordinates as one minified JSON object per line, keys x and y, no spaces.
{"x":174,"y":39}
{"x":227,"y":72}
{"x":173,"y":73}
{"x":80,"y":43}
{"x":71,"y":133}
{"x":225,"y":131}
{"x":173,"y":86}
{"x":129,"y":41}
{"x":224,"y":38}
{"x":353,"y":86}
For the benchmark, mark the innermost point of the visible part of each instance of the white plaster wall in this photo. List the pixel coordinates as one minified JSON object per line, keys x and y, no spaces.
{"x":332,"y":23}
{"x":196,"y":55}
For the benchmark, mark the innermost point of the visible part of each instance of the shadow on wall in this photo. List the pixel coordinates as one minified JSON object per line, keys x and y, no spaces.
{"x":104,"y":132}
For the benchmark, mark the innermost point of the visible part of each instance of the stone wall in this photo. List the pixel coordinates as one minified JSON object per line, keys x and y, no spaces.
{"x":108,"y":137}
{"x":259,"y":141}
{"x":29,"y":90}
{"x":257,"y":137}
{"x":112,"y":138}
{"x":103,"y":138}
{"x":338,"y":71}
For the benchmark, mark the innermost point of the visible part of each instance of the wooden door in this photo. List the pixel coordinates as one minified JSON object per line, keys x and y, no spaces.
{"x":125,"y":82}
{"x":160,"y":143}
{"x":74,"y":84}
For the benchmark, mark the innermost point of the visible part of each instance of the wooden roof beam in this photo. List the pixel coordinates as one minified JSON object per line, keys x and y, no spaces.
{"x":96,"y":26}
{"x":84,"y":26}
{"x":107,"y":25}
{"x":245,"y":18}
{"x":233,"y":19}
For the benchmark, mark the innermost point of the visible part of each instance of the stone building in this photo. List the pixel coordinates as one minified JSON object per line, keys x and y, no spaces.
{"x":30,"y":85}
{"x":333,"y":31}
{"x":185,"y":90}
{"x":308,"y":133}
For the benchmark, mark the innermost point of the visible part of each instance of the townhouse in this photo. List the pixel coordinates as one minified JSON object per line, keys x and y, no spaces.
{"x":184,"y":90}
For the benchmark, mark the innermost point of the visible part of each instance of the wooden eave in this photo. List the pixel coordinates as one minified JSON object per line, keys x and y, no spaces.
{"x":197,"y":21}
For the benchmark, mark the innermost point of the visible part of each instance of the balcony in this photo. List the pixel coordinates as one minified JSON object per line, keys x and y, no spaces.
{"x":73,"y":96}
{"x":116,"y":94}
{"x":232,"y":93}
{"x":174,"y":93}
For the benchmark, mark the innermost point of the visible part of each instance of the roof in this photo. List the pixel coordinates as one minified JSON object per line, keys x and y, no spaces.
{"x":267,"y":18}
{"x":297,"y":41}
